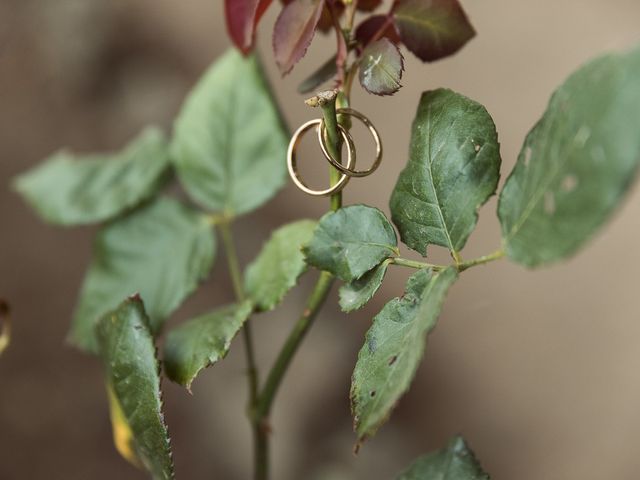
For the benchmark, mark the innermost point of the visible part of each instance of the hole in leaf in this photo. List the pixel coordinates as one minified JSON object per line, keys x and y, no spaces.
{"x":476,"y":147}
{"x":549,"y":203}
{"x":569,"y":183}
{"x":393,"y":359}
{"x":373,"y":393}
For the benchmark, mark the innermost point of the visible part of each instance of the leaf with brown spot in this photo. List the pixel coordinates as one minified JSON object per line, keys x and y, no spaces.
{"x":294,"y":31}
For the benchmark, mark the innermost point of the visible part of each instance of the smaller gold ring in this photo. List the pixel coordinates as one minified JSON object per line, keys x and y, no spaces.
{"x":347,"y":170}
{"x":292,"y":164}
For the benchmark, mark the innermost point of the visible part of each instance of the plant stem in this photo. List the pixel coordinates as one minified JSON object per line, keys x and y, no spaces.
{"x":498,"y":254}
{"x":405,"y":262}
{"x":259,"y":435}
{"x":302,"y":326}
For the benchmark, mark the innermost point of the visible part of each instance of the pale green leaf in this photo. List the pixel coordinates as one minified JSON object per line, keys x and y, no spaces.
{"x":131,"y":369}
{"x":381,"y":67}
{"x":70,"y":189}
{"x":161,"y":251}
{"x":576,"y":164}
{"x":277,"y":267}
{"x":202,"y":341}
{"x":394,"y":347}
{"x":229,"y":144}
{"x":351,"y":241}
{"x":455,"y":462}
{"x":356,"y":294}
{"x":453,"y":168}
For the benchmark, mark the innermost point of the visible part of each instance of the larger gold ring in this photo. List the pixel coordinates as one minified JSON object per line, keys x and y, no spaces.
{"x":348,"y":170}
{"x":292,"y":164}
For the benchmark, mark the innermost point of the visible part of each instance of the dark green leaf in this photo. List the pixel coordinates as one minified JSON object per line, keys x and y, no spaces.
{"x":576,"y":164}
{"x":350,"y":242}
{"x":323,"y":74}
{"x":277,"y":268}
{"x":394,"y":347}
{"x":432,"y":29}
{"x":203,"y":341}
{"x":131,"y":370}
{"x":230,"y":145}
{"x":73,"y":190}
{"x":161,"y":251}
{"x":381,"y":67}
{"x":453,"y":169}
{"x":455,"y":462}
{"x":356,"y":294}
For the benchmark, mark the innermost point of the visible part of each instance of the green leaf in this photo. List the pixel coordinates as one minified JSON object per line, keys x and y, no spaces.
{"x":576,"y":164}
{"x":277,"y":268}
{"x":394,"y":347}
{"x":73,"y":190}
{"x":131,"y":370}
{"x":381,"y":67}
{"x":453,"y":169}
{"x":229,"y":144}
{"x":203,"y":341}
{"x":455,"y":462}
{"x":351,"y":241}
{"x":161,"y":251}
{"x":356,"y":294}
{"x":432,"y":29}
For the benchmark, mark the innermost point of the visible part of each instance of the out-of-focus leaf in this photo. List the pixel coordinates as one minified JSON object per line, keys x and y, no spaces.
{"x":432,"y":29}
{"x":242,"y":19}
{"x":132,"y":372}
{"x":455,"y":462}
{"x":161,"y":251}
{"x":394,"y":347}
{"x":368,"y":5}
{"x":277,"y":267}
{"x":576,"y":164}
{"x":5,"y":323}
{"x":376,"y":27}
{"x":356,"y":294}
{"x":294,"y":31}
{"x":453,"y":168}
{"x":229,"y":145}
{"x":323,"y":74}
{"x":351,"y":241}
{"x":75,"y":190}
{"x":203,"y":341}
{"x":381,"y":67}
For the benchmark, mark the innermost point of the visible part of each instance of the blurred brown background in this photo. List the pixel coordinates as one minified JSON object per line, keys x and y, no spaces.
{"x":539,"y":370}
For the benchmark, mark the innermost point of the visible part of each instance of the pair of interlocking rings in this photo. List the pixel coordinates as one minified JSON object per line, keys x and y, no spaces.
{"x":347,"y":171}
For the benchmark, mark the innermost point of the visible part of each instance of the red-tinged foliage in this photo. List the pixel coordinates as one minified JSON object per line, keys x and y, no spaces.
{"x":376,"y":27}
{"x":432,"y":29}
{"x":242,"y":19}
{"x":381,"y":67}
{"x":294,"y":31}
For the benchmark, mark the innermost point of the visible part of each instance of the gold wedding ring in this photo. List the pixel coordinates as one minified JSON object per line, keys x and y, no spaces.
{"x":348,"y":169}
{"x":292,"y":164}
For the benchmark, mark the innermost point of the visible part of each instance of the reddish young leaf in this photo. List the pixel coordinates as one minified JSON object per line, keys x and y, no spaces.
{"x":381,"y":66}
{"x":242,"y":18}
{"x":326,"y":22}
{"x":432,"y":29}
{"x":294,"y":31}
{"x":368,"y":5}
{"x":375,"y":28}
